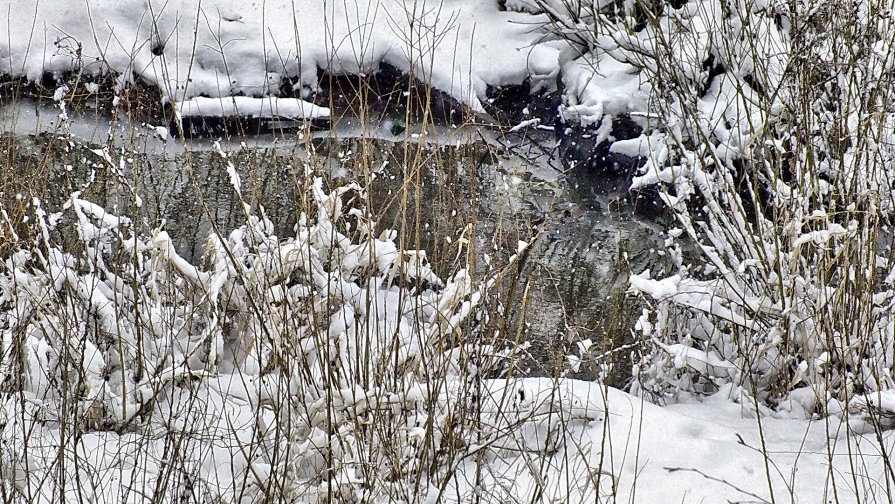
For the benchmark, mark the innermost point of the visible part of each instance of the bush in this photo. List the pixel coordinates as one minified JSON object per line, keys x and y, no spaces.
{"x":769,"y":128}
{"x":329,"y":364}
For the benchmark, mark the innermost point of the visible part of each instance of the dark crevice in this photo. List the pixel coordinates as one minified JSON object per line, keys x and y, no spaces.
{"x":714,"y":69}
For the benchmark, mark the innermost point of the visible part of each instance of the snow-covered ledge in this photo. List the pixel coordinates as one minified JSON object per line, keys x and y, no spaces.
{"x":243,"y":106}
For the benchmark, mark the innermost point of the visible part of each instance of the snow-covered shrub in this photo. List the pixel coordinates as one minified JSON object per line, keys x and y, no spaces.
{"x":326,"y":365}
{"x":769,"y":130}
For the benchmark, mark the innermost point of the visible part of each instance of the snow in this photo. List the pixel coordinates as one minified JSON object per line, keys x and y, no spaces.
{"x":641,"y":146}
{"x":701,"y":361}
{"x":215,"y":48}
{"x":657,"y":289}
{"x":565,"y":439}
{"x":288,"y":108}
{"x":562,"y":439}
{"x":692,"y":452}
{"x":601,"y":86}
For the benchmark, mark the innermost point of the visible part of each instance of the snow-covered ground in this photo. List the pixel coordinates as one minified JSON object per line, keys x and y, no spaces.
{"x":219,"y":48}
{"x":568,"y":436}
{"x":693,"y":452}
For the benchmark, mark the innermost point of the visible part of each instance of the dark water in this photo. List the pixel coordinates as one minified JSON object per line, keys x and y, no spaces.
{"x":434,"y":188}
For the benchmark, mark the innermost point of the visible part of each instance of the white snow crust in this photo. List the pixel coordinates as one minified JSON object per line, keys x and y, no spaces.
{"x":688,"y":452}
{"x":291,"y":108}
{"x":220,"y":48}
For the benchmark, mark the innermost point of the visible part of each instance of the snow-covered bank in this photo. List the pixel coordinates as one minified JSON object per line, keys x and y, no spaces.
{"x":219,"y":48}
{"x":774,"y":157}
{"x":572,"y":441}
